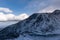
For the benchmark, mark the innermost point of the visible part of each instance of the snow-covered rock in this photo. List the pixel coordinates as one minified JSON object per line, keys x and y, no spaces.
{"x":39,"y":26}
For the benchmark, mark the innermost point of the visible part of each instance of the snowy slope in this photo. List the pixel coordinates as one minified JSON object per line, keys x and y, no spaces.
{"x":39,"y":26}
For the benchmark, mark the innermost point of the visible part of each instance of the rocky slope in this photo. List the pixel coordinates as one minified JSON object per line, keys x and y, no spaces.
{"x":38,"y":24}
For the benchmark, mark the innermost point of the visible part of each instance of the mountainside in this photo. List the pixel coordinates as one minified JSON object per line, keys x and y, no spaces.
{"x":38,"y":24}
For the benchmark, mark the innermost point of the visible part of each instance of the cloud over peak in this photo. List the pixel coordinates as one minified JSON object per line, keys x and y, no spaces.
{"x":12,"y":17}
{"x":7,"y":15}
{"x":22,"y":16}
{"x":51,"y":6}
{"x":48,"y":9}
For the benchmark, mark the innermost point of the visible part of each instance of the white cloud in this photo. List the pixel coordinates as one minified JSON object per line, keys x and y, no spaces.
{"x":10,"y":17}
{"x":2,"y":17}
{"x":53,"y":5}
{"x":6,"y":10}
{"x":21,"y":16}
{"x":48,"y":9}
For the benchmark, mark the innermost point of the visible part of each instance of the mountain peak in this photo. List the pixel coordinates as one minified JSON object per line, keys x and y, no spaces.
{"x":56,"y":12}
{"x":42,"y":24}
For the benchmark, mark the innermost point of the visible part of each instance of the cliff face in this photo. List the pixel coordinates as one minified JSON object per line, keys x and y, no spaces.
{"x":38,"y":24}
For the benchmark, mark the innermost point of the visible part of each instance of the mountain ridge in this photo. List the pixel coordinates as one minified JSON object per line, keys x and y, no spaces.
{"x":39,"y":24}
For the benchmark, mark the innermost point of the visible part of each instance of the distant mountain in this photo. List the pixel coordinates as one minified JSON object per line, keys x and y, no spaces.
{"x":38,"y":24}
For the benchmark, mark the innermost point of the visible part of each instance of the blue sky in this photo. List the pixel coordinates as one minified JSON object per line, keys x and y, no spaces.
{"x":16,"y":5}
{"x":29,"y":6}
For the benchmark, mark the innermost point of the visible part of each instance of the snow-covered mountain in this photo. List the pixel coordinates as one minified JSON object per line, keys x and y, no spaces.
{"x":39,"y":26}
